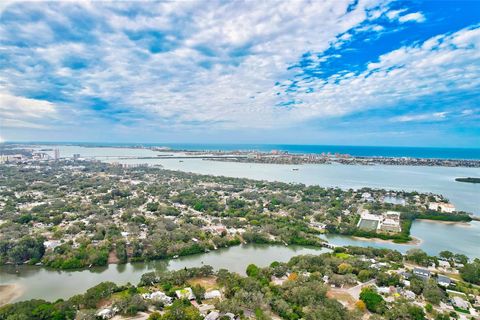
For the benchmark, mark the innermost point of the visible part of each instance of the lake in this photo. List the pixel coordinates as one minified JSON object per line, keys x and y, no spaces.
{"x":41,"y":283}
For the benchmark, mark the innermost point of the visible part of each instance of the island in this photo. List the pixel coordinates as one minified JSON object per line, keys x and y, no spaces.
{"x":468,"y":180}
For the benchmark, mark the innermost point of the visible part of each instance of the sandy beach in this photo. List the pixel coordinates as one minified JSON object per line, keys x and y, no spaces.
{"x":414,"y":242}
{"x":9,"y":292}
{"x":459,"y":223}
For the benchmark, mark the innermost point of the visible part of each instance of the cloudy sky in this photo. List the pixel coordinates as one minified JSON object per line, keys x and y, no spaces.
{"x":361,"y":72}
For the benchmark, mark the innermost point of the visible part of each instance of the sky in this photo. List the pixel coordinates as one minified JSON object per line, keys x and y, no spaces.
{"x":349,"y":72}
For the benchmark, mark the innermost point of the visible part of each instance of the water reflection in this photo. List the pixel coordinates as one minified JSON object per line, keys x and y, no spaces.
{"x":53,"y":284}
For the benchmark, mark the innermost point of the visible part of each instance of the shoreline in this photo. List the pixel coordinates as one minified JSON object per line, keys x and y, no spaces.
{"x":414,"y":242}
{"x":461,"y":223}
{"x":9,"y":293}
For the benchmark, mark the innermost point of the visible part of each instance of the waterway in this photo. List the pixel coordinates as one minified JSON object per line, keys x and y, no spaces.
{"x":439,"y":180}
{"x":41,"y":283}
{"x":36,"y":282}
{"x":434,"y":237}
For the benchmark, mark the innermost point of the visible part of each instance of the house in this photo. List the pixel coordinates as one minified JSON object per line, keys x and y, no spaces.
{"x":185,"y":293}
{"x":230,"y":315}
{"x":367,"y":196}
{"x":213,"y":294}
{"x":410,"y":295}
{"x":204,"y":308}
{"x":278,"y":281}
{"x":443,"y":281}
{"x":214,"y":315}
{"x":422,"y":273}
{"x":106,"y":313}
{"x":395,"y":200}
{"x":158,"y":296}
{"x":460,"y":303}
{"x":51,"y":244}
{"x":383,"y":290}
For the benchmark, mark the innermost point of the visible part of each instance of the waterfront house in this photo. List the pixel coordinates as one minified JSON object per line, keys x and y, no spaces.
{"x":51,"y":244}
{"x":444,"y":264}
{"x":158,"y":296}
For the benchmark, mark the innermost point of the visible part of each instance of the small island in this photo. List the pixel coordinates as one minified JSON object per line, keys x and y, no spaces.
{"x":468,"y":180}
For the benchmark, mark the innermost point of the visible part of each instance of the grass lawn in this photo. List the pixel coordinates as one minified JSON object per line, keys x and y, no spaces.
{"x":342,"y":255}
{"x":207,"y":282}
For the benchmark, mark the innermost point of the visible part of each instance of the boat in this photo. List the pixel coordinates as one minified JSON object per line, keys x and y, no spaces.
{"x":295,"y":169}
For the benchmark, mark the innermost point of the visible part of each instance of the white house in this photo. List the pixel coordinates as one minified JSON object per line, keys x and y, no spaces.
{"x":213,"y":294}
{"x":158,"y":296}
{"x":106,"y":313}
{"x":51,"y":244}
{"x":214,"y":315}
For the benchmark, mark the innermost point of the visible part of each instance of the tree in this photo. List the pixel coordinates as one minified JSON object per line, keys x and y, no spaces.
{"x":155,"y":316}
{"x":364,"y":275}
{"x":404,"y":311}
{"x":373,"y":300}
{"x":433,"y":293}
{"x":384,"y":279}
{"x":344,"y":268}
{"x":199,"y":292}
{"x":253,"y":270}
{"x":447,"y":255}
{"x":461,"y":258}
{"x":131,"y":305}
{"x":418,"y":256}
{"x":417,"y":285}
{"x":428,"y":308}
{"x":360,"y":305}
{"x":182,"y":310}
{"x":471,"y":272}
{"x":293,"y":276}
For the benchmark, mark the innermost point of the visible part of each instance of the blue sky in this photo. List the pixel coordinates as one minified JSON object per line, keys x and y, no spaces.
{"x":360,"y":72}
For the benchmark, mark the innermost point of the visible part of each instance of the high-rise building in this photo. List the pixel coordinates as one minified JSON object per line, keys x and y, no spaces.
{"x":57,"y":154}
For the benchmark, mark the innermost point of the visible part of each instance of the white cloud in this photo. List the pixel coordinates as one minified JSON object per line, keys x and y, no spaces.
{"x":416,"y":17}
{"x":20,"y":112}
{"x":436,"y":116}
{"x":394,"y":14}
{"x":223,"y":63}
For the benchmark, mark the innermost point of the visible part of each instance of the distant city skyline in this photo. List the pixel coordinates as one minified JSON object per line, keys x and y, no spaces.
{"x":368,"y":73}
